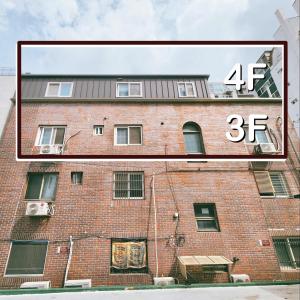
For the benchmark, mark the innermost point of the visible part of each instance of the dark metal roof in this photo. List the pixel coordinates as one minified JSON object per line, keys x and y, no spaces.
{"x":26,"y":75}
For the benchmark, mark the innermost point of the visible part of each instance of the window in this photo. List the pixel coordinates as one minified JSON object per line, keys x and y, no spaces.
{"x":193,"y":138}
{"x":76,"y":177}
{"x":271,"y":184}
{"x":27,"y":258}
{"x":128,"y":256}
{"x":288,"y":252}
{"x":98,"y":129}
{"x":261,"y":136}
{"x":206,"y":217}
{"x":41,"y":186}
{"x":128,"y":135}
{"x":128,"y":185}
{"x":59,"y":89}
{"x":129,"y":89}
{"x":186,"y":89}
{"x":51,"y":135}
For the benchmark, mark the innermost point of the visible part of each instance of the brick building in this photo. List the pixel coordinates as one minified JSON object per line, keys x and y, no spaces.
{"x":123,"y":223}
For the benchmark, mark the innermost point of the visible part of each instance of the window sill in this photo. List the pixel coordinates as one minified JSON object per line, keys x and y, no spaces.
{"x":39,"y":200}
{"x":290,"y":270}
{"x":129,"y":198}
{"x":277,"y":197}
{"x":128,"y":144}
{"x":130,"y":96}
{"x":24,"y":275}
{"x":208,"y":230}
{"x":130,"y":274}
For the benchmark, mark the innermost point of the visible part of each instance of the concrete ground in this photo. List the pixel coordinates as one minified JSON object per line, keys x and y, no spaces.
{"x":274,"y":292}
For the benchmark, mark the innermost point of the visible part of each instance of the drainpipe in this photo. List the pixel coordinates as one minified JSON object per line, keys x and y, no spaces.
{"x":69,"y":259}
{"x":155,"y":224}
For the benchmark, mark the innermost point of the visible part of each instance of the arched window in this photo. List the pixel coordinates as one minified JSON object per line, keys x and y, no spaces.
{"x":193,"y":138}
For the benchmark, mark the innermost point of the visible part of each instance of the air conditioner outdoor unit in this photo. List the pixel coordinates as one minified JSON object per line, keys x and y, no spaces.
{"x":51,"y":149}
{"x":240,"y":278}
{"x":37,"y":209}
{"x":266,"y":148}
{"x":162,"y":281}
{"x":36,"y":285}
{"x":80,"y":283}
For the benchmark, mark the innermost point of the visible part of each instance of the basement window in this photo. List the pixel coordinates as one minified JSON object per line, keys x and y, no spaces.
{"x":128,"y":185}
{"x":128,"y":135}
{"x":76,"y":178}
{"x":59,"y":89}
{"x":50,"y":135}
{"x":271,"y":184}
{"x":129,"y":89}
{"x":206,"y":217}
{"x":27,"y":258}
{"x":186,"y":89}
{"x":288,"y":252}
{"x":129,"y":256}
{"x":41,"y":186}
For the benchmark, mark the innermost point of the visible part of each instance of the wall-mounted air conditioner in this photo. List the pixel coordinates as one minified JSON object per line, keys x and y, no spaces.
{"x":162,"y":281}
{"x":51,"y":149}
{"x":38,"y":209}
{"x":36,"y":285}
{"x":80,"y":283}
{"x":240,"y":278}
{"x":265,"y":148}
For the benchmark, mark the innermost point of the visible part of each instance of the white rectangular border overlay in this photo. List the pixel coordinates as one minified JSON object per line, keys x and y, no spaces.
{"x":194,"y":160}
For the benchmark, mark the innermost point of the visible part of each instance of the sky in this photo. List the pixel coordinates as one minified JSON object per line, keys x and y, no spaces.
{"x":136,"y":20}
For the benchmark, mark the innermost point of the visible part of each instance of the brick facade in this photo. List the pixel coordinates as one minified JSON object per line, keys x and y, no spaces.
{"x":92,"y":217}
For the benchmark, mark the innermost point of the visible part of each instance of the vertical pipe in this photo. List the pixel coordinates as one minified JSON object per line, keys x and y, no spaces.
{"x":69,"y":259}
{"x":155,"y":223}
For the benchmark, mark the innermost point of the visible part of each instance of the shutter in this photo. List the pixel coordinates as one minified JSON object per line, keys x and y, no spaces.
{"x":264,"y":183}
{"x":279,"y":184}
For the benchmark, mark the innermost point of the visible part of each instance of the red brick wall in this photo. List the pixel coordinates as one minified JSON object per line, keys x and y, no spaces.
{"x":210,"y":117}
{"x":89,"y":214}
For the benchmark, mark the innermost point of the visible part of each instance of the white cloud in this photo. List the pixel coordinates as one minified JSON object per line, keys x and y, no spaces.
{"x":210,"y":20}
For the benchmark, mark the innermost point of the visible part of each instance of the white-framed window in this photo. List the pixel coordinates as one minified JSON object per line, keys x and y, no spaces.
{"x":128,"y":135}
{"x":129,"y":89}
{"x":41,"y":186}
{"x":288,"y":252}
{"x":271,"y":184}
{"x":59,"y":89}
{"x":186,"y":89}
{"x":98,"y":129}
{"x":26,"y":258}
{"x":128,"y":185}
{"x":50,"y":135}
{"x":261,"y":136}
